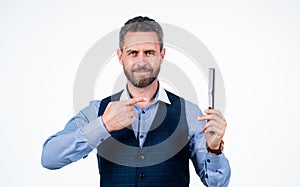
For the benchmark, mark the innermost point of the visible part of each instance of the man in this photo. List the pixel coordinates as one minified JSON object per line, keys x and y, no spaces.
{"x":144,"y":134}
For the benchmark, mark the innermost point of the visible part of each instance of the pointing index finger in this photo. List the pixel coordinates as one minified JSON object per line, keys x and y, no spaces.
{"x":133,"y":101}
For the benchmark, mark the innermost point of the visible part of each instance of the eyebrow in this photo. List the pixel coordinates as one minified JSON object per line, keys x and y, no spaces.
{"x":150,"y":50}
{"x":146,"y":51}
{"x":131,"y":50}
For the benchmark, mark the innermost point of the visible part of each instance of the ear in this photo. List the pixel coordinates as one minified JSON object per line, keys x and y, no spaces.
{"x":120,"y":54}
{"x":162,"y":53}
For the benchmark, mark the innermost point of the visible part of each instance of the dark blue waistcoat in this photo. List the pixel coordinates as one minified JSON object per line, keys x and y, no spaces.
{"x":164,"y":158}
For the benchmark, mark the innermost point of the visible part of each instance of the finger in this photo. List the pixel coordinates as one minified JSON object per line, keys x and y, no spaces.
{"x":213,"y":124}
{"x":133,"y":101}
{"x":132,"y":112}
{"x":206,"y":126}
{"x":215,"y":132}
{"x":128,"y":121}
{"x":210,"y":117}
{"x":213,"y":128}
{"x":128,"y":112}
{"x":214,"y":111}
{"x":118,"y":108}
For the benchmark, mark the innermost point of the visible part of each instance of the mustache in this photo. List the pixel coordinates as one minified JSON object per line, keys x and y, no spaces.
{"x":142,"y":68}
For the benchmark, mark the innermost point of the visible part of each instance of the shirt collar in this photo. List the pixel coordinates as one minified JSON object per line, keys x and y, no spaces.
{"x":161,"y":95}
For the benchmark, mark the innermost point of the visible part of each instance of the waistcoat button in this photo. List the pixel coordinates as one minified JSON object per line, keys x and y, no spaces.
{"x":142,"y":175}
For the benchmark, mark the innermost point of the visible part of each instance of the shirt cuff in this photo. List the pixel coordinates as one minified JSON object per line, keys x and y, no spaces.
{"x":95,"y":132}
{"x":215,"y":162}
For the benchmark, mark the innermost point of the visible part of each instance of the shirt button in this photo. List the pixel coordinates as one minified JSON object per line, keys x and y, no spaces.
{"x":102,"y":139}
{"x":143,"y":112}
{"x":141,"y":136}
{"x":142,"y":175}
{"x":142,"y":157}
{"x":206,"y":176}
{"x":208,"y":161}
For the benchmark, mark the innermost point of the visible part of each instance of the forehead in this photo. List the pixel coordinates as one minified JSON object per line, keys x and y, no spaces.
{"x":140,"y":38}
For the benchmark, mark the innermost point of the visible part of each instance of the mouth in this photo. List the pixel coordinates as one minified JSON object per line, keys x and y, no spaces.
{"x":142,"y":71}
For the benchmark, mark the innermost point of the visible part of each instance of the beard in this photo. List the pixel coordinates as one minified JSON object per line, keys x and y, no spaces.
{"x":143,"y":81}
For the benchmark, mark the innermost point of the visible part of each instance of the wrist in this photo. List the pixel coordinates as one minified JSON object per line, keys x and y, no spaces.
{"x":104,"y":122}
{"x":217,"y":151}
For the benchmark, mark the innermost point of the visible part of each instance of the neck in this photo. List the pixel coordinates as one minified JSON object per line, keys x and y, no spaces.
{"x":148,"y":92}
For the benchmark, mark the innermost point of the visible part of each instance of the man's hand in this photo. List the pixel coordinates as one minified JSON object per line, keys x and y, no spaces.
{"x":214,"y":128}
{"x":120,"y":114}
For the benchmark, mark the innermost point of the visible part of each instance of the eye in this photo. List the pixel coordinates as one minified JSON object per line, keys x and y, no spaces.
{"x":150,"y":53}
{"x":133,"y":53}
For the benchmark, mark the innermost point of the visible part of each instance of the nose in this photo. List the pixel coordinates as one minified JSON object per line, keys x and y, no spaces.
{"x":142,"y":59}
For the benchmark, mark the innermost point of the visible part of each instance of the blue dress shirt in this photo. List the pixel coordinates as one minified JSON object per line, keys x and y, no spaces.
{"x":85,"y":132}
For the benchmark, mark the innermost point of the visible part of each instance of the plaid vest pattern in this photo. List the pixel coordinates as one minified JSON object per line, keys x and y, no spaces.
{"x":120,"y":166}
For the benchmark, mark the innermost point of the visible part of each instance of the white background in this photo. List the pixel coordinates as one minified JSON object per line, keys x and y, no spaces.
{"x":255,"y":43}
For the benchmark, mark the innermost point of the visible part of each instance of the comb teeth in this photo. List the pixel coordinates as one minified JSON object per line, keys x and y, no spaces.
{"x":211,"y":87}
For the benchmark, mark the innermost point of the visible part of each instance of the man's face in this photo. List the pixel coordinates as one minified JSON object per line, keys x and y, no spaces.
{"x":141,"y":58}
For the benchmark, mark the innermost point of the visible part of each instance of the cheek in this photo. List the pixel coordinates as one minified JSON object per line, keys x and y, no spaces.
{"x":129,"y":61}
{"x":127,"y":65}
{"x":155,"y":62}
